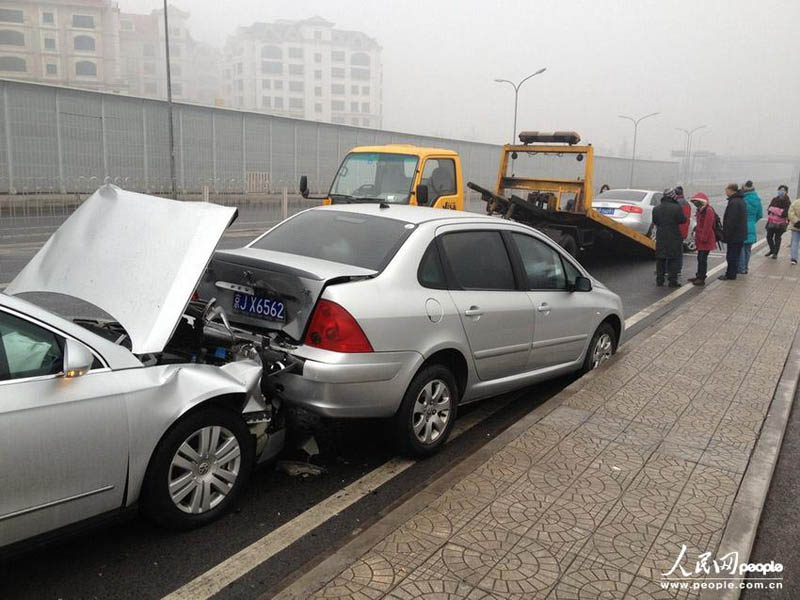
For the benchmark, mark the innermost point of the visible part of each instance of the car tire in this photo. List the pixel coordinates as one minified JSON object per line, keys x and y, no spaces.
{"x":427,"y":413}
{"x":601,"y":348}
{"x":195,"y":475}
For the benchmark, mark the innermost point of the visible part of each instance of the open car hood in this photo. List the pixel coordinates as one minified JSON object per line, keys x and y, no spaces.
{"x":137,"y":257}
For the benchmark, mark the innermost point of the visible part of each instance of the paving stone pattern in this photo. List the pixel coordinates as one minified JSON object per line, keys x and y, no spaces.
{"x":639,"y":458}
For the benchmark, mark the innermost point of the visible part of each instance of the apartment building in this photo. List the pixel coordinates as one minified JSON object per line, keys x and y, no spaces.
{"x":195,"y":67}
{"x":65,"y":42}
{"x":305,"y":69}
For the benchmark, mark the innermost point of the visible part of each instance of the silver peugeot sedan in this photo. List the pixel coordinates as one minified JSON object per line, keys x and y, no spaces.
{"x":161,"y":404}
{"x":407,"y":312}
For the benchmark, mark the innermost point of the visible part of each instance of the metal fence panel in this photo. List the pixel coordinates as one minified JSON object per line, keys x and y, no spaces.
{"x":198,"y":148}
{"x":306,"y":151}
{"x":283,"y":153}
{"x":228,"y":144}
{"x":82,"y":139}
{"x":126,"y":139}
{"x":157,"y":132}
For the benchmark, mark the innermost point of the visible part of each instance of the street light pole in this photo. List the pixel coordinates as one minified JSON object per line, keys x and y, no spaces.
{"x":693,"y":155}
{"x":635,"y":133}
{"x":516,"y":87}
{"x":687,"y":148}
{"x":169,"y":110}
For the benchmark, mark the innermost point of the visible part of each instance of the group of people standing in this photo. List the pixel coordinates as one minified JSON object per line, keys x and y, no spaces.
{"x":736,"y":229}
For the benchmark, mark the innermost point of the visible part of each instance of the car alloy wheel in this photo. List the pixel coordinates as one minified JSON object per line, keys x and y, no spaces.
{"x":204,"y":469}
{"x":431,"y":413}
{"x":603,"y":349}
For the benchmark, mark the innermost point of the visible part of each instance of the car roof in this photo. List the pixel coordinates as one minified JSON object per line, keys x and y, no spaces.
{"x":410,"y":214}
{"x":406,"y":149}
{"x":630,"y":190}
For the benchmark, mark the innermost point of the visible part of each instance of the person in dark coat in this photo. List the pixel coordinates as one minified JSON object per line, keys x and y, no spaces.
{"x":668,"y":217}
{"x":734,"y":229}
{"x":687,"y":212}
{"x":777,"y":220}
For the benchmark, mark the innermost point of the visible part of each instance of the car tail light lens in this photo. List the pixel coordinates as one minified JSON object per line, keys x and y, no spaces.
{"x":333,"y":328}
{"x":631,"y":208}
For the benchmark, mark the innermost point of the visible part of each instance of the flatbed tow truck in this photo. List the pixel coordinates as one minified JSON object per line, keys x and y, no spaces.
{"x":559,"y":207}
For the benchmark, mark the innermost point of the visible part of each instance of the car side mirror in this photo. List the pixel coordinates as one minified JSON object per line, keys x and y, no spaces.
{"x":582,"y":284}
{"x":304,"y":186}
{"x":78,"y":359}
{"x":422,"y":195}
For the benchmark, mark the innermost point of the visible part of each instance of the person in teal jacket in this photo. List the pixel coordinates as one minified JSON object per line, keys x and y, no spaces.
{"x":755,"y":212}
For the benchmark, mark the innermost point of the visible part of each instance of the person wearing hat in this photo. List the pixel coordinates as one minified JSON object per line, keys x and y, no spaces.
{"x":704,"y":236}
{"x":734,"y":230}
{"x":755,"y":213}
{"x":777,"y":220}
{"x":668,"y":217}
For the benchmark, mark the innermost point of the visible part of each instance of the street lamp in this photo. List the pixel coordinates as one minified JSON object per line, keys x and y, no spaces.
{"x":635,"y":132}
{"x":516,"y":87}
{"x":693,"y":155}
{"x":687,"y":148}
{"x":171,"y":131}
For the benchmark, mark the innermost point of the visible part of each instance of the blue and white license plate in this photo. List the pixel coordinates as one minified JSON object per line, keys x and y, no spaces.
{"x":259,"y":307}
{"x":605,"y":211}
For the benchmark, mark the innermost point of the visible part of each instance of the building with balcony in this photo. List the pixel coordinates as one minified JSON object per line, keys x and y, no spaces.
{"x":306,"y":69}
{"x":65,"y":42}
{"x":195,"y":66}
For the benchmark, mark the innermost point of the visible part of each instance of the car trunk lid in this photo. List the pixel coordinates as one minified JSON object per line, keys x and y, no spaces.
{"x":136,"y":257}
{"x":266,"y":277}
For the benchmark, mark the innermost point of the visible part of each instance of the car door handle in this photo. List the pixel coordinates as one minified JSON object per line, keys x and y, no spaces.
{"x":544,"y":307}
{"x":473,"y":311}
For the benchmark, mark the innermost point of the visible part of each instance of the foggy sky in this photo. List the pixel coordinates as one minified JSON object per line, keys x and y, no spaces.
{"x":733,"y":65}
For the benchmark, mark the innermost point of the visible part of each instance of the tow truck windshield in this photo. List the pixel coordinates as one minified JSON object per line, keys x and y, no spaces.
{"x":374,"y":177}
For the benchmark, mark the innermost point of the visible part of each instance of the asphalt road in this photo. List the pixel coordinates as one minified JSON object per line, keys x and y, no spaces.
{"x":133,"y":559}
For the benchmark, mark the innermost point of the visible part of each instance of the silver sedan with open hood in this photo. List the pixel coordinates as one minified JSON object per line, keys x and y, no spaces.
{"x":161,"y":401}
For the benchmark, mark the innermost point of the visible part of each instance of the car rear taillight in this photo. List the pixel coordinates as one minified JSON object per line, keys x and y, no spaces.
{"x":333,"y":328}
{"x":631,"y":208}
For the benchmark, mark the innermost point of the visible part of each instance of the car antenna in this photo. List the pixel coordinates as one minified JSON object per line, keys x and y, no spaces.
{"x":383,"y":205}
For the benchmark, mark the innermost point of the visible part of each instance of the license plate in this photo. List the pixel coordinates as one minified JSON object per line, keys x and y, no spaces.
{"x":606,"y":211}
{"x":259,"y":307}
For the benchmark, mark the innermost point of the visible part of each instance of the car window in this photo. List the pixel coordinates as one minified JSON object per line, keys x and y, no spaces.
{"x":478,"y":260}
{"x":439,"y":175}
{"x":431,"y":274}
{"x":343,"y":237}
{"x":571,"y":270}
{"x":656,"y":199}
{"x":27,"y":350}
{"x":542,"y":264}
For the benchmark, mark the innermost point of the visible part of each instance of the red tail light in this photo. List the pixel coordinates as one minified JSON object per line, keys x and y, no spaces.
{"x":631,"y":208}
{"x":333,"y":328}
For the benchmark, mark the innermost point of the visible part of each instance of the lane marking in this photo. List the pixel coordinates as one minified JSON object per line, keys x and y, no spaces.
{"x":237,"y":565}
{"x":659,"y":304}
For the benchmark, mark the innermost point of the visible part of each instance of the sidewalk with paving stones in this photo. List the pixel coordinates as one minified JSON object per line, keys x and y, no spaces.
{"x":634,"y":460}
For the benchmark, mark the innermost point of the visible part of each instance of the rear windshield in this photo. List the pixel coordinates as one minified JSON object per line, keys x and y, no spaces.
{"x":626,"y":195}
{"x":352,"y":239}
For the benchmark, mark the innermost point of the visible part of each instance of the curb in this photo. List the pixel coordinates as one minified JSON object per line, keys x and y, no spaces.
{"x":315,"y":576}
{"x":745,"y":517}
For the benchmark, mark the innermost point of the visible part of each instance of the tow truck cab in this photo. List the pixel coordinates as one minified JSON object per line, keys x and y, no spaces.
{"x":397,"y":174}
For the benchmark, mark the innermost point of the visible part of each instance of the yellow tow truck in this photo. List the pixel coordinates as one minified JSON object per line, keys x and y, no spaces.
{"x":396,"y":174}
{"x":560,"y":207}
